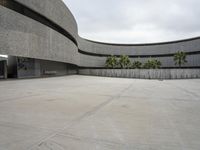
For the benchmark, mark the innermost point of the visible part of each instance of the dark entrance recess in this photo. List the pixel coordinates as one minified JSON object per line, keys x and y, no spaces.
{"x":3,"y":69}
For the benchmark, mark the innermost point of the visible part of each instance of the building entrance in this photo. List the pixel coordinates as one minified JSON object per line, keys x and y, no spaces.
{"x":3,"y":69}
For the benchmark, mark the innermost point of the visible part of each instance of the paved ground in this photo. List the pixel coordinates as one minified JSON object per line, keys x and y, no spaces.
{"x":94,"y":113}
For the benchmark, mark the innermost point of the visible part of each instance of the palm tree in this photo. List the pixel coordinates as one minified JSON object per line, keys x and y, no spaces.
{"x":124,"y":62}
{"x":148,"y":64}
{"x":111,"y":62}
{"x":137,"y":65}
{"x":156,"y":64}
{"x":152,"y":64}
{"x":180,"y":58}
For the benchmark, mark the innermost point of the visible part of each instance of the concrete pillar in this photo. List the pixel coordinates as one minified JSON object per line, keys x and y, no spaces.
{"x":3,"y":65}
{"x":5,"y":70}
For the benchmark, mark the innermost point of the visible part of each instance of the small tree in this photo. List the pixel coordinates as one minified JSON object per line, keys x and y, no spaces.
{"x":111,"y":62}
{"x":180,"y":58}
{"x":156,"y":64}
{"x":137,"y":65}
{"x":152,"y":64}
{"x":124,"y":62}
{"x":147,"y":65}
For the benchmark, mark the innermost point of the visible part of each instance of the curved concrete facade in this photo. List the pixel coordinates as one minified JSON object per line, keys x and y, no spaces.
{"x":23,"y":36}
{"x":162,"y":51}
{"x":56,"y":11}
{"x":47,"y":30}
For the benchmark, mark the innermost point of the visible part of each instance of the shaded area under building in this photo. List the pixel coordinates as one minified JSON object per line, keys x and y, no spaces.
{"x":3,"y":68}
{"x":21,"y":67}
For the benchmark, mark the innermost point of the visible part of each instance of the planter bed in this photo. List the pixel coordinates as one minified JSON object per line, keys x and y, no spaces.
{"x":144,"y":73}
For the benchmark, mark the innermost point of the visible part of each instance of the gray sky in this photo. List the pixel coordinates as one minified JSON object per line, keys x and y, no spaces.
{"x":136,"y":21}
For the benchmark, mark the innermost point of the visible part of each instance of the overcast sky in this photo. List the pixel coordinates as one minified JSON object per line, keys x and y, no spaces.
{"x":136,"y":21}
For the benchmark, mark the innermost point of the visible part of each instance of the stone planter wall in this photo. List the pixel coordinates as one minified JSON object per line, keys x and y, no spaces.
{"x":144,"y":73}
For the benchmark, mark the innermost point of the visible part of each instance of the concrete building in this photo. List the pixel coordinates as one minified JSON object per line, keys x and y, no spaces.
{"x":41,"y":39}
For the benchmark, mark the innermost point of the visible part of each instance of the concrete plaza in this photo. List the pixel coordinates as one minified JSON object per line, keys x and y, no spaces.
{"x":96,"y":113}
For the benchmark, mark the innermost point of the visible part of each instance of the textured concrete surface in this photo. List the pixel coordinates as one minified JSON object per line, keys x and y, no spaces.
{"x":95,"y":61}
{"x":56,"y":11}
{"x":139,"y":50}
{"x":144,"y":73}
{"x":88,"y":113}
{"x":29,"y":38}
{"x":189,"y":45}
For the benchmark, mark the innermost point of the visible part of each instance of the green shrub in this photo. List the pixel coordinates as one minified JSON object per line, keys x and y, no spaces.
{"x":147,"y":65}
{"x":156,"y":64}
{"x":111,"y":62}
{"x":180,"y":58}
{"x":136,"y":65}
{"x":124,"y":62}
{"x":152,"y":64}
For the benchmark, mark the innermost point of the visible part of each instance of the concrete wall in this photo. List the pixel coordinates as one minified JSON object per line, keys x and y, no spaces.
{"x":144,"y":73}
{"x":27,"y":68}
{"x":56,"y":11}
{"x":23,"y":36}
{"x":52,"y":68}
{"x":95,"y":61}
{"x":44,"y":68}
{"x":94,"y":52}
{"x":189,"y":45}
